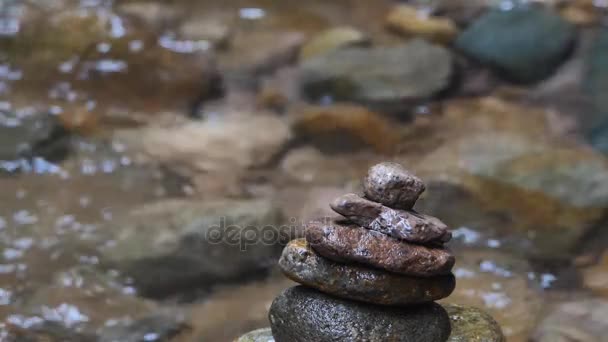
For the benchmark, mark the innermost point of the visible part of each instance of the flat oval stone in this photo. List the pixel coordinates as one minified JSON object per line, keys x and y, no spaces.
{"x":393,"y":186}
{"x":402,"y":224}
{"x":470,"y":324}
{"x":302,"y":314}
{"x":302,"y":264}
{"x":345,"y":242}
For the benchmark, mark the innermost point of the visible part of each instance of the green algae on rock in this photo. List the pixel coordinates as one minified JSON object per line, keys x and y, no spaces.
{"x":302,"y":264}
{"x":301,"y":314}
{"x":472,"y":325}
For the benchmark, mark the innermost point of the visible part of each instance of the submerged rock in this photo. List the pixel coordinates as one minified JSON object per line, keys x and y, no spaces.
{"x":595,"y":84}
{"x":585,"y":320}
{"x":393,"y":186}
{"x":30,"y":136}
{"x":332,"y":39}
{"x":156,"y":327}
{"x":406,"y":225}
{"x":172,"y":245}
{"x":527,"y":44}
{"x":472,"y":325}
{"x":302,"y":264}
{"x":386,"y":77}
{"x":409,"y":21}
{"x":345,"y":128}
{"x":345,"y":242}
{"x":302,"y":314}
{"x":500,"y":169}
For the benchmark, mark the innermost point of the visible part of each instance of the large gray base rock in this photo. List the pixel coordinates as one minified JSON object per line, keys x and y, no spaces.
{"x":301,"y":314}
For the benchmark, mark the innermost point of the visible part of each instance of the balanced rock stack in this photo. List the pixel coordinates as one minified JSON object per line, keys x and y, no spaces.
{"x":371,"y":275}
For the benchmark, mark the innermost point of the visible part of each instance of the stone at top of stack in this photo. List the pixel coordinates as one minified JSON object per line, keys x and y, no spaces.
{"x":382,"y":253}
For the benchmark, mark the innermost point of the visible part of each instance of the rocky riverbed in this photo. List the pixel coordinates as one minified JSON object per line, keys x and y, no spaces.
{"x":156,"y":157}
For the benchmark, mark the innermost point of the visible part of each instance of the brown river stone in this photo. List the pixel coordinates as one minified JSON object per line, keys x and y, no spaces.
{"x":393,"y":186}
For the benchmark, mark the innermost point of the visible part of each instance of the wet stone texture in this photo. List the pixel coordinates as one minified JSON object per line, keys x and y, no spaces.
{"x":406,"y":225}
{"x":393,"y":186}
{"x":343,"y":242}
{"x":472,"y":325}
{"x":301,"y":314}
{"x":303,"y":265}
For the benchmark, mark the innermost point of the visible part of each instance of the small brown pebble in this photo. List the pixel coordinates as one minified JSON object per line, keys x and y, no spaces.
{"x":390,"y":184}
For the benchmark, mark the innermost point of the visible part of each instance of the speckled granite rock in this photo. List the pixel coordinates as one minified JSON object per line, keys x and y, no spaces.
{"x":342,"y":241}
{"x":302,"y":264}
{"x":390,"y":184}
{"x":406,"y":225}
{"x":301,"y":314}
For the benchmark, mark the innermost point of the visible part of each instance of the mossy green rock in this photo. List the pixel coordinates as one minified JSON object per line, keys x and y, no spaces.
{"x":472,"y":325}
{"x":302,"y":314}
{"x":526,"y":44}
{"x":260,"y":335}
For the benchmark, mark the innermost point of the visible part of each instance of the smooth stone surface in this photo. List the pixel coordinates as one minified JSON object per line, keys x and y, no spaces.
{"x":392,"y":185}
{"x":526,"y":44}
{"x":412,"y":22}
{"x":302,"y":264}
{"x":172,"y":245}
{"x":383,"y":77}
{"x":332,"y":39}
{"x":303,"y":314}
{"x":260,"y":335}
{"x":579,"y":321}
{"x":470,"y":324}
{"x":345,"y":242}
{"x":406,"y":225}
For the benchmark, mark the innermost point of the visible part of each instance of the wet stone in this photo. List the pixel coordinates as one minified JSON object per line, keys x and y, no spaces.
{"x":393,"y":186}
{"x":303,"y":314}
{"x":342,"y":241}
{"x":406,"y":225}
{"x":260,"y":335}
{"x":472,"y":325}
{"x":302,"y":264}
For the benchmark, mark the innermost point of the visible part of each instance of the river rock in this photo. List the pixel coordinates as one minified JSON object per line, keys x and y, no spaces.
{"x":596,"y":277}
{"x":333,"y":39}
{"x":406,"y":225}
{"x":552,"y":191}
{"x":28,"y":136}
{"x":392,"y":185}
{"x":260,"y":335}
{"x":163,"y":326}
{"x":526,"y":44}
{"x":342,"y":241}
{"x":595,"y":84}
{"x":175,"y":244}
{"x":302,"y":264}
{"x":303,"y":314}
{"x":470,"y":324}
{"x":411,"y":22}
{"x":585,"y":320}
{"x":386,"y":78}
{"x":345,"y":128}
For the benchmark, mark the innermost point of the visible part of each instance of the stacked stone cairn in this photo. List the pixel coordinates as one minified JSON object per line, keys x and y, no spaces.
{"x":371,"y":275}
